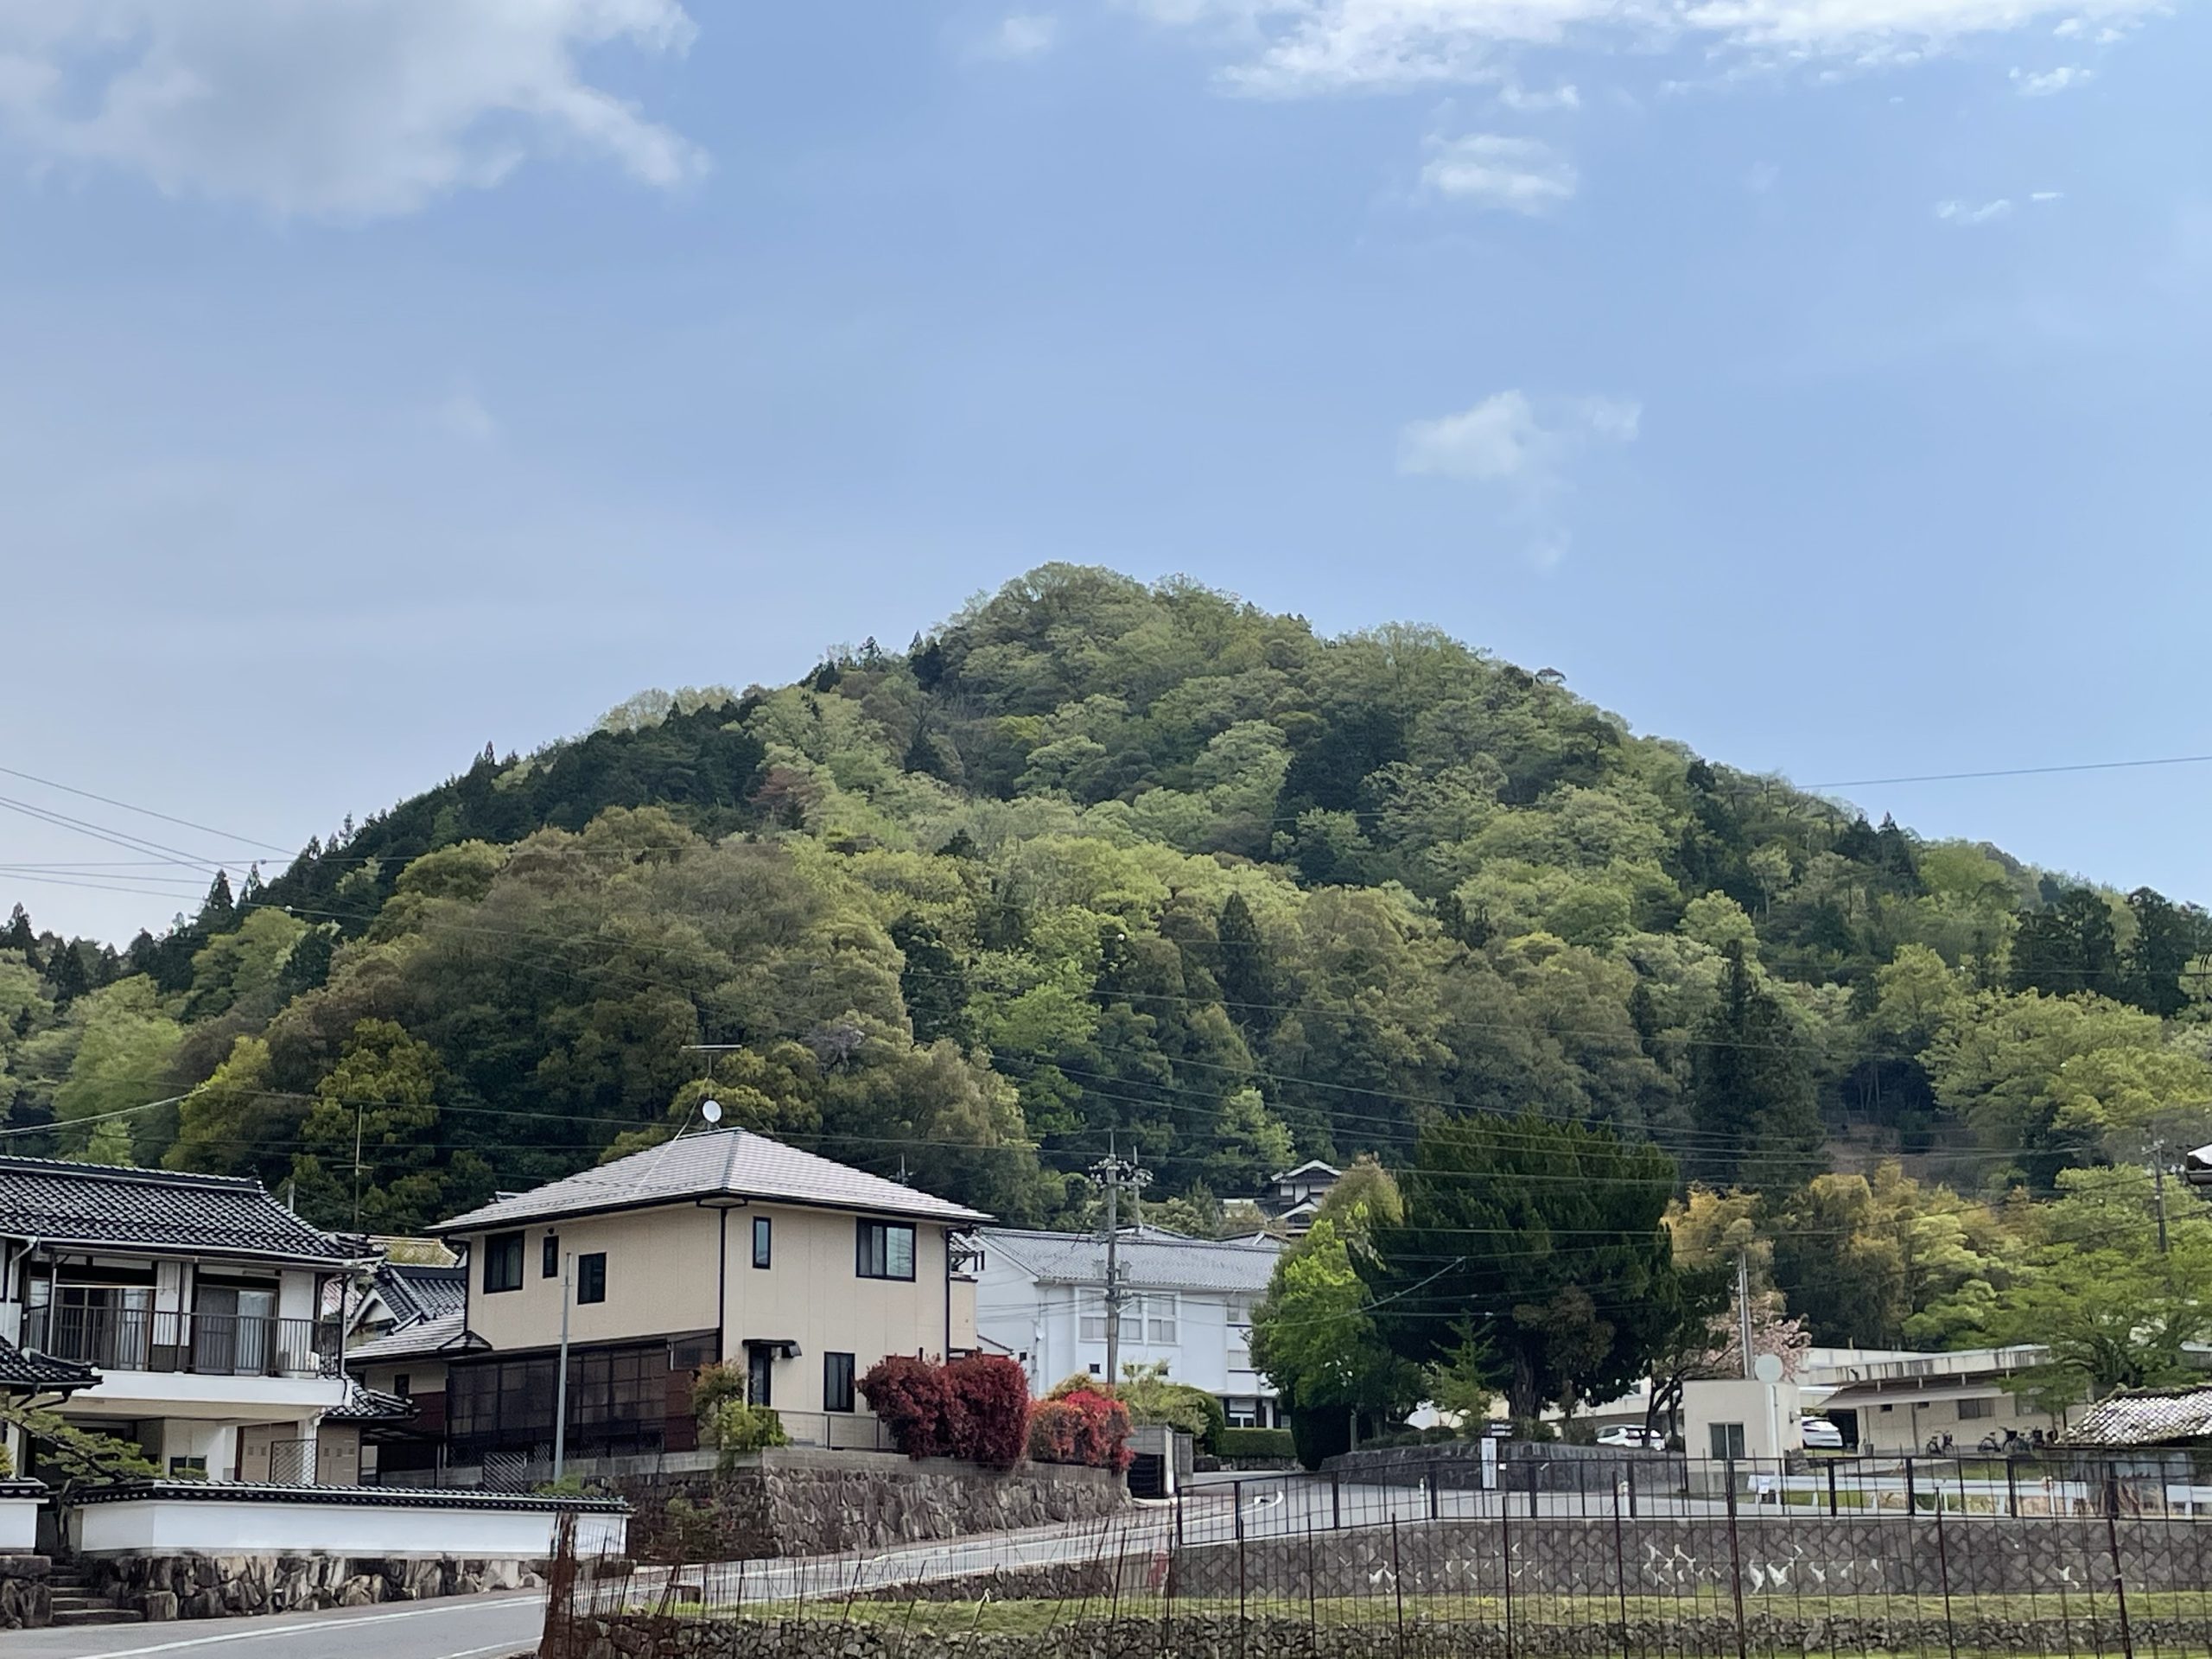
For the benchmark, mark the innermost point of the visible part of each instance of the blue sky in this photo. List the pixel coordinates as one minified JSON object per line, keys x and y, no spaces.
{"x":1820,"y":382}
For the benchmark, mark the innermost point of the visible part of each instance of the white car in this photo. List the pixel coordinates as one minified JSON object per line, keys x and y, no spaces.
{"x":1820,"y":1435}
{"x":1641,"y":1440}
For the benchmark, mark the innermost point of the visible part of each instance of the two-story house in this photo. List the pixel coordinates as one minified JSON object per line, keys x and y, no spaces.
{"x":200,"y":1302}
{"x":725,"y":1246}
{"x":1040,"y":1298}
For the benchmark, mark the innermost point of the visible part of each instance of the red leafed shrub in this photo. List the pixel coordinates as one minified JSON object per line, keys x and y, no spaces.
{"x":992,"y":1426}
{"x":911,"y":1397}
{"x":1083,"y":1427}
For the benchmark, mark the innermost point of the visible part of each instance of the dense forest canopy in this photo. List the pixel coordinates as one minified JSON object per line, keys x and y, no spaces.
{"x":1098,"y":860}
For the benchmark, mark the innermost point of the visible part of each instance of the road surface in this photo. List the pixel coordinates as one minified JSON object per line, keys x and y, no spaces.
{"x":461,"y":1627}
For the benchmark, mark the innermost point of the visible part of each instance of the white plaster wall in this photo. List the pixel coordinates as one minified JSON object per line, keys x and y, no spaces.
{"x":244,"y":1527}
{"x":18,"y":1525}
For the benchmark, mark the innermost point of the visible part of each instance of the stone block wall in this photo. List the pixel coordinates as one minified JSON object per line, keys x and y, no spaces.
{"x":25,"y":1603}
{"x":823,"y":1503}
{"x":1675,"y":1557}
{"x":234,"y":1587}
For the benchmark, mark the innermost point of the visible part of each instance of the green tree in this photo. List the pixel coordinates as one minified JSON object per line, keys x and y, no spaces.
{"x":1752,"y":1094}
{"x":381,"y":1099}
{"x":1551,"y":1232}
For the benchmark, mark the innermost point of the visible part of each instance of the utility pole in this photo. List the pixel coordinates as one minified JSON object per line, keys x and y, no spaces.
{"x":561,"y":1388}
{"x":1114,"y":1172}
{"x":2158,"y":1184}
{"x":1744,"y":1305}
{"x":359,"y":1108}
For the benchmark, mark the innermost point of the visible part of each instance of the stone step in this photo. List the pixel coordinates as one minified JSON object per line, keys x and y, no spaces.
{"x":95,"y":1615}
{"x":72,"y":1600}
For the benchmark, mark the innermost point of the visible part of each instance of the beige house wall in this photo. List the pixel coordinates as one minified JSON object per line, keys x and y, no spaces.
{"x":812,"y":1294}
{"x":662,"y":1274}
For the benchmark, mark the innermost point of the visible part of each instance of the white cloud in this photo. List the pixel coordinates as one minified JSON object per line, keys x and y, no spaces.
{"x":1523,"y":101}
{"x":1022,"y":35}
{"x":463,"y":417}
{"x":1298,"y":48}
{"x":1520,"y":175}
{"x":344,"y":109}
{"x":1961,"y":212}
{"x":2046,"y":195}
{"x":2030,"y":85}
{"x":1506,"y":439}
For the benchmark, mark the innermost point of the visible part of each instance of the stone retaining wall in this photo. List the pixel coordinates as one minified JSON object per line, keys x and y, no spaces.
{"x":1665,"y":1557}
{"x":803,"y":1502}
{"x":231,"y":1586}
{"x":25,"y":1603}
{"x":1222,"y":1638}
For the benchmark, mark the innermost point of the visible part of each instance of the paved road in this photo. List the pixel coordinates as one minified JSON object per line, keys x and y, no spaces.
{"x":466,"y":1627}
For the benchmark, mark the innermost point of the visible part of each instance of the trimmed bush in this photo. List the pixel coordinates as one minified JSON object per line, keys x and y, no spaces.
{"x":910,"y":1396}
{"x":1256,"y":1445}
{"x":738,"y":1428}
{"x":991,"y":1425}
{"x":1083,"y":1427}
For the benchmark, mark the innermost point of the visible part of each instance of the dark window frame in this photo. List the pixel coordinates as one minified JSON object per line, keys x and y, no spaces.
{"x":503,"y":1255}
{"x":872,"y":1252}
{"x":764,"y":1237}
{"x":548,"y":1263}
{"x":591,"y":1278}
{"x":838,"y":1376}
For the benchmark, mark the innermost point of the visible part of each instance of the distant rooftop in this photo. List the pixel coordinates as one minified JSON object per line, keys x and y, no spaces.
{"x":446,"y":1335}
{"x":1151,"y":1258}
{"x":102,"y":1206}
{"x":723,"y":1164}
{"x":413,"y":1293}
{"x":2154,"y":1417}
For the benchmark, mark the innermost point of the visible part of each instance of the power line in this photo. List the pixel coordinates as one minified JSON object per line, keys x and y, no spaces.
{"x":145,"y":811}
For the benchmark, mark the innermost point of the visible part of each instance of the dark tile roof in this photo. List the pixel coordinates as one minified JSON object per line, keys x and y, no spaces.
{"x":445,"y":1337}
{"x":23,"y":1373}
{"x":724,"y":1163}
{"x":103,"y":1207}
{"x":2155,"y":1417}
{"x":366,"y":1405}
{"x":414,"y":1293}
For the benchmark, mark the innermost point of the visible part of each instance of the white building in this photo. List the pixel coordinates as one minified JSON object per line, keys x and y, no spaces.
{"x":1041,"y":1299}
{"x":198,"y":1301}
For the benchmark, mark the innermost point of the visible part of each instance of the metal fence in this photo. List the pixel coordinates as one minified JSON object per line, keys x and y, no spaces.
{"x":1719,"y":1559}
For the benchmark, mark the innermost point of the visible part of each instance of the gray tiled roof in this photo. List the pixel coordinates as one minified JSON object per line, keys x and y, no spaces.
{"x":103,"y":1207}
{"x":2158,"y":1417}
{"x":1151,"y":1259}
{"x":733,"y":1163}
{"x":446,"y":1334}
{"x":23,"y":1373}
{"x":414,"y":1292}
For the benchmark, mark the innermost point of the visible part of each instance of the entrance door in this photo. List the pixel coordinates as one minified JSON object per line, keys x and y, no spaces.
{"x":759,"y":1371}
{"x":257,"y":1331}
{"x":215,"y":1331}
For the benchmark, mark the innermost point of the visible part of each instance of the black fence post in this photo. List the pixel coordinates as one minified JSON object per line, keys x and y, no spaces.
{"x":1911,"y":1500}
{"x":1398,"y":1585}
{"x":1505,"y":1556}
{"x":2012,"y":1489}
{"x":1832,"y":1503}
{"x":1620,"y":1554}
{"x":1336,"y":1503}
{"x":1435,"y":1474}
{"x":2119,"y":1578}
{"x":1631,"y":1489}
{"x":1236,"y":1508}
{"x":1535,"y":1469}
{"x":1736,"y":1562}
{"x":1943,"y":1567}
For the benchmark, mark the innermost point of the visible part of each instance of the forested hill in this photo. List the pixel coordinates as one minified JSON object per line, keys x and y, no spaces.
{"x":1098,"y":859}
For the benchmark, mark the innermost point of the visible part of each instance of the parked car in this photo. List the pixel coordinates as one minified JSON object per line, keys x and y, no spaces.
{"x":1641,"y":1440}
{"x":1820,"y":1435}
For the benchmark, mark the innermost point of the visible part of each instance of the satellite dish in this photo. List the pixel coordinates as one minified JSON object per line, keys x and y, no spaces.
{"x":1767,"y":1368}
{"x":712,"y":1111}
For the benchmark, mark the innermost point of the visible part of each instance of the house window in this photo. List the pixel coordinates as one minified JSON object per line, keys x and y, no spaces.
{"x":399,"y":1386}
{"x":548,"y":1263}
{"x":1093,"y":1328}
{"x":188,"y":1467}
{"x":1243,"y":1413}
{"x":1727,"y":1439}
{"x":591,"y":1277}
{"x":762,"y":1235}
{"x":887,"y":1250}
{"x":1969,"y":1410}
{"x":1160,"y":1319}
{"x":502,"y":1262}
{"x":837,"y":1382}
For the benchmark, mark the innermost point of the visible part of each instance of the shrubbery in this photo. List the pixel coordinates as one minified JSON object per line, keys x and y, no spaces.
{"x":976,"y":1408}
{"x":1256,"y":1445}
{"x":1083,"y":1427}
{"x":726,"y":1421}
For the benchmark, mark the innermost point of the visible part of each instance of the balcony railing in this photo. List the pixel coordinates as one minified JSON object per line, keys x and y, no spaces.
{"x":206,"y":1344}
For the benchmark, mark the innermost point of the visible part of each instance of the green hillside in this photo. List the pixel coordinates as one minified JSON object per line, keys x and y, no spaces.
{"x":1095,"y":859}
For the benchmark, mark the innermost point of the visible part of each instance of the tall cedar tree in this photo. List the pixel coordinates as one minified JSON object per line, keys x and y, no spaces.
{"x":1752,"y":1094}
{"x":1548,"y":1237}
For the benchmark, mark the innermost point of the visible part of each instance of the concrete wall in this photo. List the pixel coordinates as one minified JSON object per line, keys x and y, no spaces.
{"x":245,"y":1526}
{"x":19,"y":1521}
{"x":1769,"y":1421}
